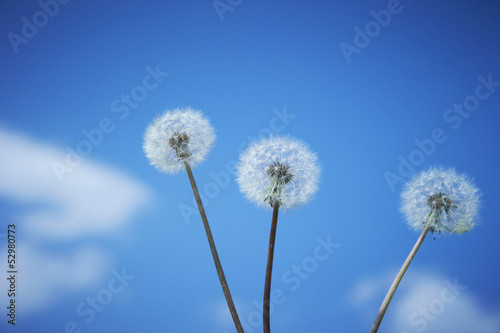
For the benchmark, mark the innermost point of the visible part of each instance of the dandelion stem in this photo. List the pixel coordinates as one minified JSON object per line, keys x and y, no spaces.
{"x":269,"y":269}
{"x":218,"y":266}
{"x":401,"y":273}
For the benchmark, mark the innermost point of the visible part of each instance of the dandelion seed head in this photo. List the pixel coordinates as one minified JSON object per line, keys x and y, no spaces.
{"x":178,"y":135}
{"x":452,"y":199}
{"x":278,"y":170}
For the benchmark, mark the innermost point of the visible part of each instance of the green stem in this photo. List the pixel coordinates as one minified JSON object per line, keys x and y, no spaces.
{"x":218,"y":266}
{"x":269,"y":270}
{"x":401,"y":273}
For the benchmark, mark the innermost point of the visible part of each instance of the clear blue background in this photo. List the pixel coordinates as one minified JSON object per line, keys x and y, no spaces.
{"x":359,"y":116}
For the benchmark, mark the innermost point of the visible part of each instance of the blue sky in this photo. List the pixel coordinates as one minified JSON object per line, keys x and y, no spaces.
{"x":378,"y":89}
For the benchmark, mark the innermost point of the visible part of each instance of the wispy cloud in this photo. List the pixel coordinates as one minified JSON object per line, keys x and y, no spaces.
{"x":46,"y":276}
{"x":95,"y":199}
{"x":425,"y":302}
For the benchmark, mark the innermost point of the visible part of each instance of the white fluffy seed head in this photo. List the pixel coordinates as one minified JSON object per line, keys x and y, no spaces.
{"x":452,"y":198}
{"x":176,"y":136}
{"x":278,"y":170}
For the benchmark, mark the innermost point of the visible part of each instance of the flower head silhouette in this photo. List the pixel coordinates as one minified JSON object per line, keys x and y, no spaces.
{"x":176,"y":136}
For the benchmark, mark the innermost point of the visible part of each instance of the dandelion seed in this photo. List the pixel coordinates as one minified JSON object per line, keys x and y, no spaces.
{"x":452,"y":197}
{"x":176,"y":136}
{"x":278,"y":170}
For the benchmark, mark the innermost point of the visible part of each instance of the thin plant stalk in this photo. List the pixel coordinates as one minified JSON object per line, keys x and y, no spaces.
{"x":269,"y":270}
{"x":401,"y":273}
{"x":218,"y":266}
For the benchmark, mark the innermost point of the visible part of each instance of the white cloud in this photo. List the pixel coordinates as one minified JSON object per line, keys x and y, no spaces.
{"x":94,"y":199}
{"x":221,"y":315}
{"x":45,"y":276}
{"x":368,"y":288}
{"x":426,"y":302}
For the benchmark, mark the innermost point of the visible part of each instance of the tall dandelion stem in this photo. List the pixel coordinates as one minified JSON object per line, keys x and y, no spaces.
{"x":218,"y":266}
{"x":385,"y":303}
{"x":275,"y":173}
{"x":269,"y":271}
{"x":439,"y":200}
